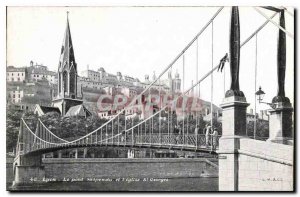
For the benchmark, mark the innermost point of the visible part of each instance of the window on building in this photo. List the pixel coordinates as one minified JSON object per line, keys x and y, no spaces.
{"x":18,"y":78}
{"x":18,"y":74}
{"x":7,"y":74}
{"x":12,"y":74}
{"x":12,"y":79}
{"x":22,"y":74}
{"x":13,"y":95}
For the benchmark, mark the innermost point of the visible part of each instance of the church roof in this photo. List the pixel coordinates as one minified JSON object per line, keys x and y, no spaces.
{"x":49,"y":109}
{"x":41,"y":110}
{"x":67,"y":58}
{"x":78,"y":110}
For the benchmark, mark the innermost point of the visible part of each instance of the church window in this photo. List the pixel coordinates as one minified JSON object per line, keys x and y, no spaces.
{"x":62,"y":49}
{"x":65,"y":80}
{"x":72,"y":81}
{"x":59,"y":82}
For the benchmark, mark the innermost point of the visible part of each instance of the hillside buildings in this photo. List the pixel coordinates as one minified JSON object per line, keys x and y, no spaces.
{"x":39,"y":72}
{"x":68,"y":89}
{"x":14,"y":74}
{"x":29,"y":85}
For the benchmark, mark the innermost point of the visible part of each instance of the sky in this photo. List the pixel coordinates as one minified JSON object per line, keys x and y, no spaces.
{"x":140,"y":40}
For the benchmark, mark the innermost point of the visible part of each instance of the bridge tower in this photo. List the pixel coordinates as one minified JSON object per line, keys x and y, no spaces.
{"x":67,"y":75}
{"x":28,"y":168}
{"x":244,"y":163}
{"x":281,"y":117}
{"x":234,"y":113}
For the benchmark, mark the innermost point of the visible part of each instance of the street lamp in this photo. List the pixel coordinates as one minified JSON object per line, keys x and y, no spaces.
{"x":261,"y":95}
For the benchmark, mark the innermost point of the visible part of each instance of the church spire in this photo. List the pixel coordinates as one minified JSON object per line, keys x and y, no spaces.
{"x":67,"y":68}
{"x":67,"y":100}
{"x":67,"y":57}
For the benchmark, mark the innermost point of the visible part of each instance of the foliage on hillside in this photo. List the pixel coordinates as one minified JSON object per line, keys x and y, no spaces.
{"x":70,"y":127}
{"x":13,"y":118}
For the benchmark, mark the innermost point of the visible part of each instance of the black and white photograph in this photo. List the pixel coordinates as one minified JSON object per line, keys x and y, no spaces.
{"x":150,"y":98}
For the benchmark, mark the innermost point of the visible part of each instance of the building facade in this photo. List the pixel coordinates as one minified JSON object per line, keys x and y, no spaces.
{"x":39,"y":72}
{"x":15,"y":96}
{"x":14,"y":74}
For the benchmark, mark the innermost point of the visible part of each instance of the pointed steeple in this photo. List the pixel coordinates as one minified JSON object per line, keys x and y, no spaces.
{"x":67,"y":97}
{"x":67,"y":68}
{"x":67,"y":58}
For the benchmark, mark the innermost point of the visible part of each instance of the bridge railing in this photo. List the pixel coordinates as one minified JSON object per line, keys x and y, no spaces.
{"x":190,"y":140}
{"x":29,"y":141}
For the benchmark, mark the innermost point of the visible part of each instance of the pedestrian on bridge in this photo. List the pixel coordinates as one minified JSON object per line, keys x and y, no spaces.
{"x":178,"y":135}
{"x":175,"y":133}
{"x":207,"y":134}
{"x":196,"y":130}
{"x":196,"y":134}
{"x":214,"y":139}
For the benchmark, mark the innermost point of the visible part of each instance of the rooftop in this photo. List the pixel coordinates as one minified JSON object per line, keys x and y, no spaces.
{"x":15,"y":69}
{"x":47,"y":109}
{"x":78,"y":110}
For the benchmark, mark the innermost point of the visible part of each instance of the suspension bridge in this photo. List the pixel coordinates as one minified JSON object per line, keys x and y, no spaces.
{"x":148,"y":132}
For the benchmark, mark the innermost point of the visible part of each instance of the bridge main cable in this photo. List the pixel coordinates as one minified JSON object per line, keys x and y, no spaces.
{"x":212,"y":70}
{"x":257,"y":30}
{"x":176,"y":58}
{"x":51,"y":133}
{"x":278,"y":26}
{"x":170,"y":65}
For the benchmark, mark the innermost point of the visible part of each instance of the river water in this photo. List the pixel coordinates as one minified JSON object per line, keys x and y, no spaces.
{"x":171,"y":184}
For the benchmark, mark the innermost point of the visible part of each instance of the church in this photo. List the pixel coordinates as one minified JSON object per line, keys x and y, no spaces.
{"x":68,"y":102}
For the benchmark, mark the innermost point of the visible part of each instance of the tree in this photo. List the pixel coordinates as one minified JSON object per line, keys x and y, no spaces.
{"x":71,"y":127}
{"x":13,"y":117}
{"x":262,"y":129}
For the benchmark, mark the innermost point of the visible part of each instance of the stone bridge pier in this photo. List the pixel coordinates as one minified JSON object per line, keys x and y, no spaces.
{"x":28,"y":169}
